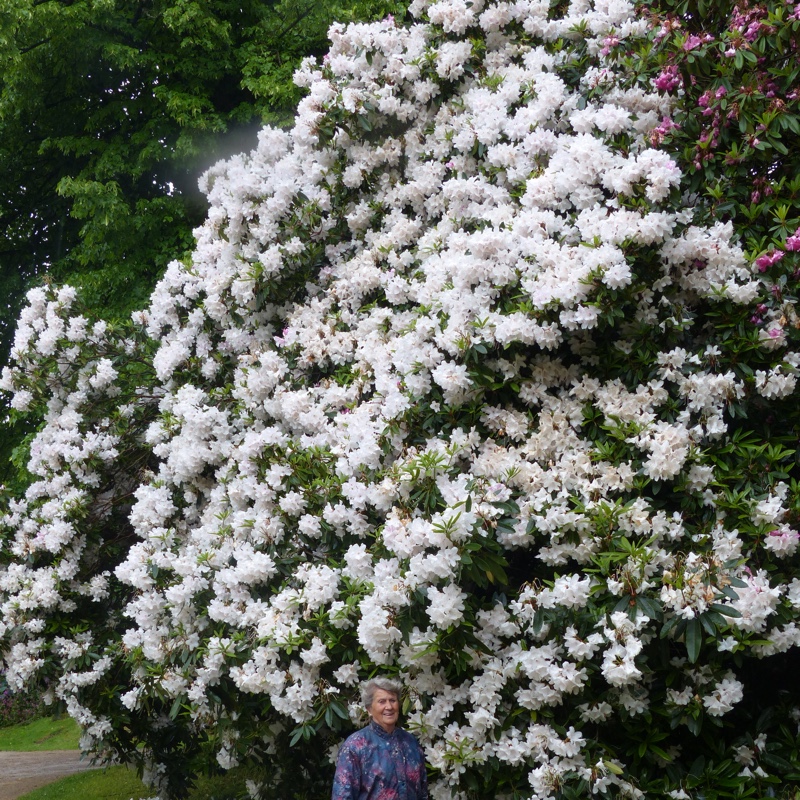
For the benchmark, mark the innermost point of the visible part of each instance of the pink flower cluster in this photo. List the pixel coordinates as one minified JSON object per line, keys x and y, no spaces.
{"x":693,"y":41}
{"x":666,"y":126}
{"x":793,"y":242}
{"x":669,"y":79}
{"x":748,"y":80}
{"x":767,"y":260}
{"x":747,"y":20}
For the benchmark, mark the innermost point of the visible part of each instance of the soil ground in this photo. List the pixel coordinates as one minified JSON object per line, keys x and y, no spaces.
{"x":21,"y":773}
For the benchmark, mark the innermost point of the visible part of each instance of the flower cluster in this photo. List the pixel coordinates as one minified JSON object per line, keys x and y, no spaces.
{"x":447,"y":387}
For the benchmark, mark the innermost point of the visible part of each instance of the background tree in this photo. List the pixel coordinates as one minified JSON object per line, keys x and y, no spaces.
{"x":110,"y":111}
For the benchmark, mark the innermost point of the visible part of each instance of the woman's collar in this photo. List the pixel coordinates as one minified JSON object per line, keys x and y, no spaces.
{"x":379,"y":729}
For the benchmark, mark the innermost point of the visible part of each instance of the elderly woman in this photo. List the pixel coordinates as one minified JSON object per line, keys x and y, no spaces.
{"x":381,"y":761}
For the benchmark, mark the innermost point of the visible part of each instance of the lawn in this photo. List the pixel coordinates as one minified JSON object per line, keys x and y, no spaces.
{"x":120,"y":783}
{"x":44,"y":733}
{"x":112,"y":783}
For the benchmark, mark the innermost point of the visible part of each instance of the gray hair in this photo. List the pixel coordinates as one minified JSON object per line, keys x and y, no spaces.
{"x":368,"y":689}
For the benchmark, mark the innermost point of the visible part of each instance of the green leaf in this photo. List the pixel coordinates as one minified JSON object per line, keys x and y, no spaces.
{"x":727,"y":611}
{"x":175,"y":708}
{"x":661,"y":753}
{"x":708,"y":624}
{"x":304,"y":732}
{"x":649,"y":606}
{"x":775,"y":762}
{"x":694,"y":639}
{"x":623,"y":604}
{"x":698,"y":767}
{"x":671,"y":624}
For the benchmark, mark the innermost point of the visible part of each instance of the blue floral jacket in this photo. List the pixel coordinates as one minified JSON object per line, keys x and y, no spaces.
{"x":376,"y":765}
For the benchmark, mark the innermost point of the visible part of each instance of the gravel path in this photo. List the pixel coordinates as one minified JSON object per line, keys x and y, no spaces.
{"x":21,"y":773}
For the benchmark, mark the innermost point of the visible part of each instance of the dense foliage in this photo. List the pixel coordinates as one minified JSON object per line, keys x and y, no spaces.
{"x":109,"y":113}
{"x":484,"y":374}
{"x":17,"y":707}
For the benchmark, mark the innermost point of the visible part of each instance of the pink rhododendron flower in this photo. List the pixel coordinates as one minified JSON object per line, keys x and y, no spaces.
{"x":768,"y":259}
{"x":793,"y":241}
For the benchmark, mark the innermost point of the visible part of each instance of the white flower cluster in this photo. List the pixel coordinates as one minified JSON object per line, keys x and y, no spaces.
{"x":385,"y":385}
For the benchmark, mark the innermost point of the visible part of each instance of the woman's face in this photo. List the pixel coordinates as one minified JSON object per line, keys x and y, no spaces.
{"x":385,"y":709}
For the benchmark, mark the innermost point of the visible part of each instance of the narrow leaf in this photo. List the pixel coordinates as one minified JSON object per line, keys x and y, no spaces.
{"x":694,"y":639}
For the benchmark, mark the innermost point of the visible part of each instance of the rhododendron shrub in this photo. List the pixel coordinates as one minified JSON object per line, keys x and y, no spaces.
{"x":732,"y":69}
{"x":456,"y":386}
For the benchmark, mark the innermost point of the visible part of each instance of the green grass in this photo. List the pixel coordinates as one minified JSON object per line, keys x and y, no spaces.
{"x":114,"y":783}
{"x":44,"y":733}
{"x":120,"y":783}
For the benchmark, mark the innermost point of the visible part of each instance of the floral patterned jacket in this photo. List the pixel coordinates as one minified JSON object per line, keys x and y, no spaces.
{"x":376,"y":765}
